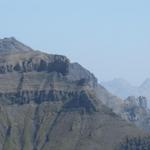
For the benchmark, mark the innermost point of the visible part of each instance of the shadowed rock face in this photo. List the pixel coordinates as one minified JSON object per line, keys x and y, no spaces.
{"x":33,"y":61}
{"x":48,"y":103}
{"x":71,"y":100}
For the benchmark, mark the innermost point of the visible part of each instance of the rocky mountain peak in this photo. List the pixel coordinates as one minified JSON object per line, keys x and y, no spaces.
{"x":8,"y":45}
{"x":140,"y":101}
{"x":15,"y":57}
{"x":38,"y":76}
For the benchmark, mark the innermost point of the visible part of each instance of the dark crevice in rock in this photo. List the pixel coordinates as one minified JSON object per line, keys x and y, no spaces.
{"x":8,"y":131}
{"x":7,"y":135}
{"x":36,"y":128}
{"x":81,"y":100}
{"x":20,"y":83}
{"x":48,"y":135}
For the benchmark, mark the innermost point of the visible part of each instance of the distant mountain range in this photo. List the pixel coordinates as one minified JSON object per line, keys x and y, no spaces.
{"x":123,"y":88}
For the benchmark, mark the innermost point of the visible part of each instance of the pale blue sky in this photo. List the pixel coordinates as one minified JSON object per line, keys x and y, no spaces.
{"x":109,"y":37}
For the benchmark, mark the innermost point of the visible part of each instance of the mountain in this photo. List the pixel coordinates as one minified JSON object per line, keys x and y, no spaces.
{"x":134,"y":108}
{"x":49,"y":103}
{"x":123,"y":89}
{"x":120,"y":87}
{"x":144,"y":89}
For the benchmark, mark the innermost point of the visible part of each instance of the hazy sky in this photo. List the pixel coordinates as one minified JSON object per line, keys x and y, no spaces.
{"x":109,"y":37}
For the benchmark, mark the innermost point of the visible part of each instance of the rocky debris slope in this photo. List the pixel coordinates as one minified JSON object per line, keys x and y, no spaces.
{"x":48,"y":103}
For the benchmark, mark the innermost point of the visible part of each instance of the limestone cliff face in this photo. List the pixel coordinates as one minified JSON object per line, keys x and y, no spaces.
{"x":48,"y":103}
{"x":33,"y":61}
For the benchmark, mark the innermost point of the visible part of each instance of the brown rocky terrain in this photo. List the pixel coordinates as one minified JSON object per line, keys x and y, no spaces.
{"x":48,"y":103}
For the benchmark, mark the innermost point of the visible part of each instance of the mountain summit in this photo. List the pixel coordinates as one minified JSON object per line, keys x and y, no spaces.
{"x":12,"y":45}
